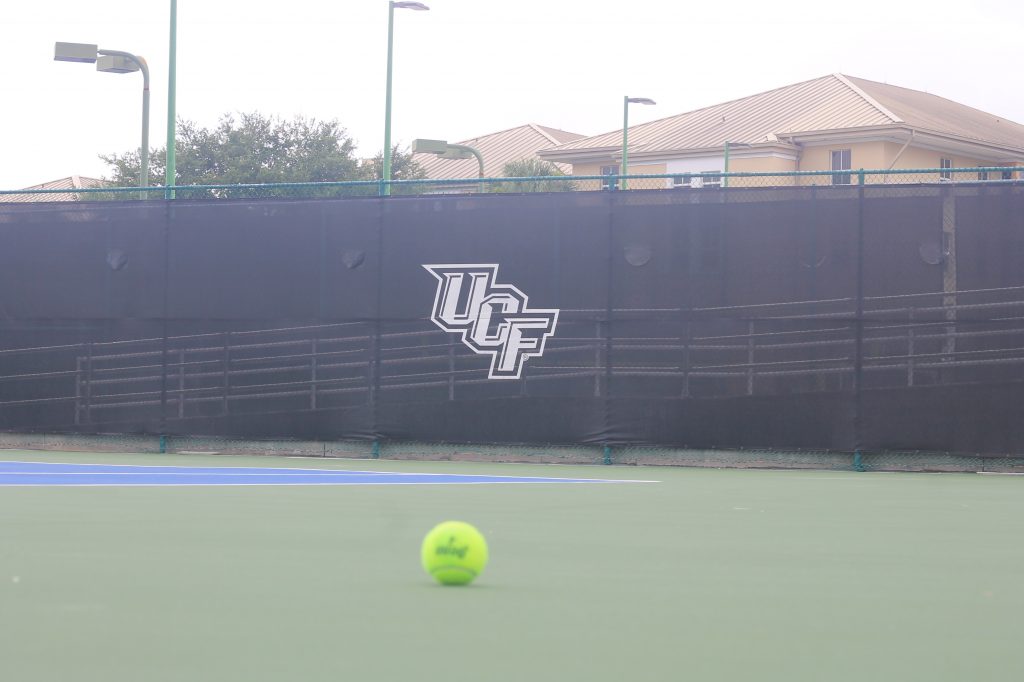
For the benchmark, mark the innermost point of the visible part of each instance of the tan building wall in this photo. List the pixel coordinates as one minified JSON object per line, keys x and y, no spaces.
{"x":862,"y":155}
{"x":882,"y":155}
{"x":915,"y":157}
{"x":588,"y":169}
{"x":761,"y":164}
{"x":594,"y":168}
{"x":867,"y":155}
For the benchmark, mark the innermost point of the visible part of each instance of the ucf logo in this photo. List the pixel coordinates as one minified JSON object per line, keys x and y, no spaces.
{"x":493,"y":318}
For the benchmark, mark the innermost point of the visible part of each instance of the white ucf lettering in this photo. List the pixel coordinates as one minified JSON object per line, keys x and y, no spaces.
{"x":492,"y":318}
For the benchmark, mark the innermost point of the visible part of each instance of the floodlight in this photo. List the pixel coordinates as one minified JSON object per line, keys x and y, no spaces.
{"x":116,"y":64}
{"x":446,"y":150}
{"x":422,"y":146}
{"x":114,"y":61}
{"x":84,"y":53}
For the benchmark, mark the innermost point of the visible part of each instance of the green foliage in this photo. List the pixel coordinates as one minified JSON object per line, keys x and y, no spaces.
{"x":533,"y":168}
{"x":254,"y":149}
{"x":403,"y":167}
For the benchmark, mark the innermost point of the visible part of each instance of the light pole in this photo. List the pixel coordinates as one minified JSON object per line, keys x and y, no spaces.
{"x":729,"y":146}
{"x":386,"y":171}
{"x":626,"y":101}
{"x":114,"y":61}
{"x":450,"y":151}
{"x":172,"y":75}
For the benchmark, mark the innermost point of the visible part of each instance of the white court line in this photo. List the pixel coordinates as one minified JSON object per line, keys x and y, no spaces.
{"x":327,"y":482}
{"x":248,"y":471}
{"x":507,"y":479}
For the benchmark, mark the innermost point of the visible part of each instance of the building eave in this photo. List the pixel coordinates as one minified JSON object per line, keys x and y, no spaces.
{"x":609,"y":154}
{"x":581,"y":155}
{"x":790,"y":143}
{"x":929,"y":139}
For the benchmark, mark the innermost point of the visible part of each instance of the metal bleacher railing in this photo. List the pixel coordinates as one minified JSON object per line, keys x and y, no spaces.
{"x":765,"y":349}
{"x":558,"y":183}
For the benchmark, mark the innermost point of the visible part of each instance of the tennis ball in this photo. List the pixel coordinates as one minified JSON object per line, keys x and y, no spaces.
{"x":454,"y":553}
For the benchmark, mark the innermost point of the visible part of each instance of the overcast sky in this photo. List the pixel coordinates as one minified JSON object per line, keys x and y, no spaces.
{"x":470,"y":67}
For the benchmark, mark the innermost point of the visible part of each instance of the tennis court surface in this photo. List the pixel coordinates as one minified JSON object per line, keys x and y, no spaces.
{"x":189,"y":567}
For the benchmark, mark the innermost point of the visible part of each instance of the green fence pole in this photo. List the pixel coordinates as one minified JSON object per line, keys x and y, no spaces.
{"x":172,"y":75}
{"x":725,"y":179}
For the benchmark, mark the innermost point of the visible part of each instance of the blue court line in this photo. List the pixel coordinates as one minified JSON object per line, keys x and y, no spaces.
{"x":61,"y":474}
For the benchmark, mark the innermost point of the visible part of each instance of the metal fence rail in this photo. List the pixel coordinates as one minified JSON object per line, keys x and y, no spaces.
{"x":680,"y":182}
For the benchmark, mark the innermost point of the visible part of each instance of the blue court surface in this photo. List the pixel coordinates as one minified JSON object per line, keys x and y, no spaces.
{"x":60,"y":474}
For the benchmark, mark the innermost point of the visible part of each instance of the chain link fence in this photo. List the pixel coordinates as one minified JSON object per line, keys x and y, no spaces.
{"x":705,"y":183}
{"x":548,"y":454}
{"x":926,"y":323}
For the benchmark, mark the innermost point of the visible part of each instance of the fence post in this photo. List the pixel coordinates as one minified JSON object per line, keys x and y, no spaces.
{"x":312,"y":374}
{"x":750,"y":357}
{"x":949,"y":283}
{"x":858,"y":359}
{"x":686,"y":359}
{"x":88,"y":385}
{"x":451,"y":367}
{"x":910,"y":347}
{"x":181,"y":383}
{"x":78,"y":390}
{"x":609,"y":311}
{"x":227,"y":369}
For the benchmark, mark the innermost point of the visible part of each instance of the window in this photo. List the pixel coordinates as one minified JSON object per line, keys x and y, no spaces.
{"x":982,"y":175}
{"x":681,"y":181}
{"x":841,"y":162}
{"x":945,"y":175}
{"x":710,"y":179}
{"x":610,"y":183}
{"x":1007,"y":175}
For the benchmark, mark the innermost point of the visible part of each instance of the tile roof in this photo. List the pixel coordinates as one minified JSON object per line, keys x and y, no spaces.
{"x":72,"y":182}
{"x":497,"y":149}
{"x":829,"y":103}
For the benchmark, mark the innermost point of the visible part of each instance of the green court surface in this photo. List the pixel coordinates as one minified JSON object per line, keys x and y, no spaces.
{"x":705,"y":575}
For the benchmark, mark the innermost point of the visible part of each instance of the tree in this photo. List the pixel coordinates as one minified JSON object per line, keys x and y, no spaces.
{"x":403,"y":167}
{"x":533,"y":168}
{"x":255,"y":149}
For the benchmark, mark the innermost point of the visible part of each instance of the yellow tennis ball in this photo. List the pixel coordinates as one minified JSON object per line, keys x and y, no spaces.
{"x":454,"y":553}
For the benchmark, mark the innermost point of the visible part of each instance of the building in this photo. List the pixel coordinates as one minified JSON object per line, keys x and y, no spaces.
{"x":497,"y":149}
{"x":70,"y":184}
{"x":835,"y":123}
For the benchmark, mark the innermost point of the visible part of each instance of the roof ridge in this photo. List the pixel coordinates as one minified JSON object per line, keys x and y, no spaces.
{"x":497,"y":132}
{"x":557,"y":130}
{"x":546,"y":135}
{"x":712,"y":106}
{"x":867,"y":98}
